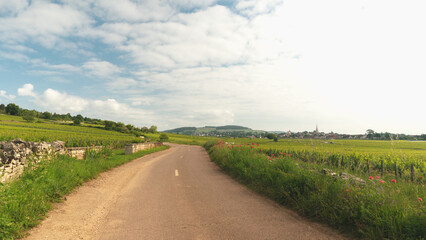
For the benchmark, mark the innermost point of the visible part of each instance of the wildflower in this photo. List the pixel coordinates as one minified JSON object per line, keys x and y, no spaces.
{"x":260,"y":150}
{"x":370,"y":177}
{"x":393,"y":180}
{"x":269,"y":158}
{"x":348,"y":190}
{"x":257,"y":144}
{"x":382,"y":181}
{"x":290,"y":155}
{"x":377,"y":177}
{"x":359,"y":188}
{"x":106,"y":154}
{"x":421,"y":177}
{"x":420,"y":199}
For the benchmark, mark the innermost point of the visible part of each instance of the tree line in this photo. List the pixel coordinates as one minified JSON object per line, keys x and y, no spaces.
{"x":372,"y":135}
{"x":31,"y":115}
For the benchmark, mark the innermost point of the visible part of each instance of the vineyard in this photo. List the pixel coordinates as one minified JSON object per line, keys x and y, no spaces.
{"x":371,"y":204}
{"x":12,"y":127}
{"x":361,"y":157}
{"x":400,"y":159}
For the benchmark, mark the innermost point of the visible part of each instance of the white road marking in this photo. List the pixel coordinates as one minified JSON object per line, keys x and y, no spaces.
{"x":176,"y":173}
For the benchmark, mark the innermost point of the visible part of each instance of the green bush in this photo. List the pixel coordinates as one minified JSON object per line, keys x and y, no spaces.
{"x":163,"y":137}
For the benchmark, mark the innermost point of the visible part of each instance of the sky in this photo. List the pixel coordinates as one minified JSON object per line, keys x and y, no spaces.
{"x":344,"y":65}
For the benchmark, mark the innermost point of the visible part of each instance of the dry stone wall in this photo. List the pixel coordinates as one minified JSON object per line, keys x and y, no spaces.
{"x":136,"y":147}
{"x":78,"y":152}
{"x":16,"y":154}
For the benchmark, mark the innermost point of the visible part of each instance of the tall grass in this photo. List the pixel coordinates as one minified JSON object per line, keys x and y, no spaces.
{"x":379,"y":209}
{"x":24,"y":202}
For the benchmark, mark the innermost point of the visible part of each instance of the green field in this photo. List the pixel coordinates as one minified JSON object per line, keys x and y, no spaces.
{"x":12,"y":127}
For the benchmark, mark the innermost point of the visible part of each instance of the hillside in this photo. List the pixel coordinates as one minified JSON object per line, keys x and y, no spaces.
{"x":218,"y":131}
{"x":12,"y":127}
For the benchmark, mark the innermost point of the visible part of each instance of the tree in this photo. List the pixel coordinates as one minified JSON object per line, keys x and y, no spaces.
{"x":28,"y":116}
{"x":153,"y":129}
{"x":77,"y":121}
{"x":79,"y":117}
{"x":370,"y":133}
{"x":271,"y":136}
{"x":163,"y":137}
{"x":2,"y":107}
{"x":109,"y":125}
{"x":12,"y":109}
{"x":130,"y":127}
{"x":46,"y":115}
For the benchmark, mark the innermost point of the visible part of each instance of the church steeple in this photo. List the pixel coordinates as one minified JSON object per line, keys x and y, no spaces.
{"x":316,"y":129}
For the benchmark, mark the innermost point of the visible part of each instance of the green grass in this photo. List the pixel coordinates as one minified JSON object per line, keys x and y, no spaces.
{"x":12,"y":127}
{"x":376,"y":210}
{"x":24,"y":202}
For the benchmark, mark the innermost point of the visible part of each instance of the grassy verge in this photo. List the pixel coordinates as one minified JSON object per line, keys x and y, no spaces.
{"x":24,"y":202}
{"x":377,"y":210}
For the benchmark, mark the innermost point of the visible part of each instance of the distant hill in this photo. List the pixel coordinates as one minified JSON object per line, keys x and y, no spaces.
{"x":182,"y":130}
{"x":218,"y":131}
{"x":232,"y":127}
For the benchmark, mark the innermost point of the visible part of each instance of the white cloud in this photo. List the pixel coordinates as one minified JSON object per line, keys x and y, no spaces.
{"x":12,"y":7}
{"x":191,"y":4}
{"x":61,"y":102}
{"x":26,"y":90}
{"x":122,"y":83}
{"x":3,"y":94}
{"x":18,"y":57}
{"x":42,"y":22}
{"x":19,"y":48}
{"x":211,"y":37}
{"x":101,"y":69}
{"x":252,"y":8}
{"x":147,"y":10}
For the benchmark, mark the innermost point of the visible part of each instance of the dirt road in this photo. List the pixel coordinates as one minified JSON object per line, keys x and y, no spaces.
{"x":174,"y":194}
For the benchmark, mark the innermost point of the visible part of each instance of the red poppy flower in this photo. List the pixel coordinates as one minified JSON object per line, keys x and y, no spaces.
{"x":393,"y":180}
{"x":420,"y":199}
{"x":377,"y":177}
{"x":370,"y":177}
{"x":382,"y":181}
